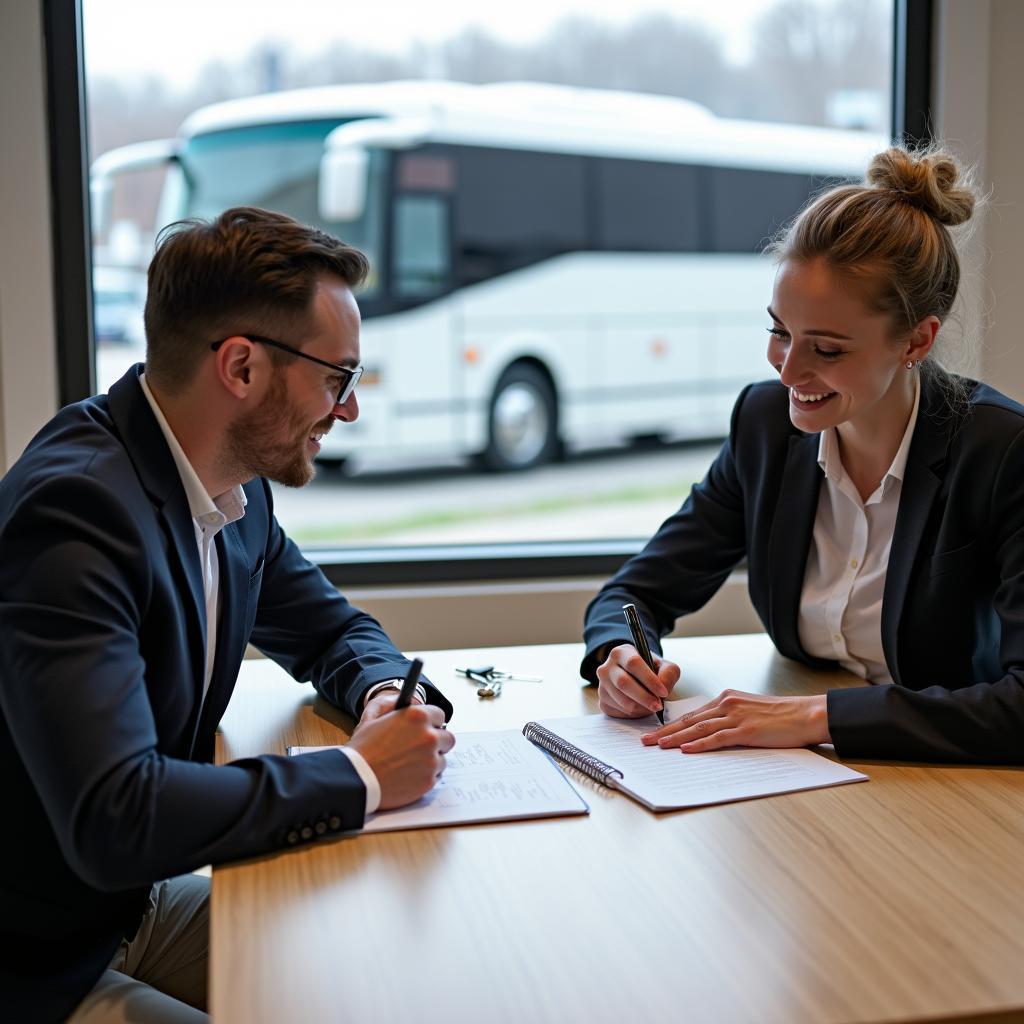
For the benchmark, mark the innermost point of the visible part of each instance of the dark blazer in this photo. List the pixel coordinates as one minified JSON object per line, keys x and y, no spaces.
{"x":104,"y":754}
{"x":953,"y":605}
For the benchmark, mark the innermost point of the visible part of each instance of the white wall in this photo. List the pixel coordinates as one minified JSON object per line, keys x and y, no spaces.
{"x":1003,"y":358}
{"x":28,"y":390}
{"x":979,"y":83}
{"x":532,"y":611}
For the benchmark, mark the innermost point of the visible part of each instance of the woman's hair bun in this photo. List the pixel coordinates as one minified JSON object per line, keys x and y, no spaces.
{"x":928,"y":179}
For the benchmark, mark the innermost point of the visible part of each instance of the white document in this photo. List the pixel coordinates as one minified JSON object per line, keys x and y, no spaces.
{"x":664,"y":779}
{"x":491,"y":776}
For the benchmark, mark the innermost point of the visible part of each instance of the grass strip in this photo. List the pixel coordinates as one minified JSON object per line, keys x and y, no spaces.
{"x":339,"y":532}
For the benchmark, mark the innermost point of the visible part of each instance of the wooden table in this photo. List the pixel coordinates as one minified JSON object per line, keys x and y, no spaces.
{"x":893,"y":900}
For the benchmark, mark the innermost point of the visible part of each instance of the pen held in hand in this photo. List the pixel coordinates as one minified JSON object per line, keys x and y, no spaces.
{"x":412,"y":677}
{"x":640,"y":643}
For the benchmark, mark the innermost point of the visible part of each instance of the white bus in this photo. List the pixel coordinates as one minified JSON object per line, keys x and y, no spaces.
{"x":552,"y":267}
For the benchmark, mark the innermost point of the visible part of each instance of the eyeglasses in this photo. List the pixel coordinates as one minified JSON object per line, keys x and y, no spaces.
{"x":349,"y":376}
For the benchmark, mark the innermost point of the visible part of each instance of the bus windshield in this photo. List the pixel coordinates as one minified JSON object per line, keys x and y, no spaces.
{"x":276,"y":166}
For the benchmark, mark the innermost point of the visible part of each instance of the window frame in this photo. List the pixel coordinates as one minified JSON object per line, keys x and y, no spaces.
{"x":913,"y":29}
{"x":69,"y":203}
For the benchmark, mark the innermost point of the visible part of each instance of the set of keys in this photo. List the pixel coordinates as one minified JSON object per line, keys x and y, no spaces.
{"x":489,"y":680}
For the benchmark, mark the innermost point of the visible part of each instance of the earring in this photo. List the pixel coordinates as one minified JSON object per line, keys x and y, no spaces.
{"x":910,"y":364}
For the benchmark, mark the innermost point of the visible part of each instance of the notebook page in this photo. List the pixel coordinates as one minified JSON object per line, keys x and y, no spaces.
{"x":491,"y":776}
{"x":664,"y":779}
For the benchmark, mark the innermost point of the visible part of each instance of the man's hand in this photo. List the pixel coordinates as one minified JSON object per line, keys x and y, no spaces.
{"x":381,"y":705}
{"x":404,"y":748}
{"x":627,"y":688}
{"x":735,"y":719}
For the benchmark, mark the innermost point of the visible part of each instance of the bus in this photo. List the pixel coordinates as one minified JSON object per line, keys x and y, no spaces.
{"x":552,"y":267}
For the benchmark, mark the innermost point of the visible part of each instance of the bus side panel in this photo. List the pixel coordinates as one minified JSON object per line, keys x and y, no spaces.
{"x":538,"y":315}
{"x":638,"y":344}
{"x":411,"y":391}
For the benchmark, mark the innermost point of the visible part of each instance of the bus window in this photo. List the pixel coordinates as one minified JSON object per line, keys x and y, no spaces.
{"x":421,"y":246}
{"x":646,"y":206}
{"x":277,"y":167}
{"x":515,"y":208}
{"x":272,"y":166}
{"x":747,"y":207}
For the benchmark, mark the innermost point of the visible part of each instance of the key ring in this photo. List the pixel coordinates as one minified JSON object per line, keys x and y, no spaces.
{"x":489,"y":680}
{"x":489,"y":690}
{"x":484,"y":678}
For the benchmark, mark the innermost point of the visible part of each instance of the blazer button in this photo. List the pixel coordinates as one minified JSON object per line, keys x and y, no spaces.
{"x":293,"y":837}
{"x":321,"y":827}
{"x":335,"y":823}
{"x":307,"y":833}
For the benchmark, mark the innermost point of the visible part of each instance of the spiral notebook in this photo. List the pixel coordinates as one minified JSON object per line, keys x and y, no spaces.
{"x":609,"y":750}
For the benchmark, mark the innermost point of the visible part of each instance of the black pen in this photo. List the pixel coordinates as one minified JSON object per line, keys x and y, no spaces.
{"x":640,"y":643}
{"x":412,"y":677}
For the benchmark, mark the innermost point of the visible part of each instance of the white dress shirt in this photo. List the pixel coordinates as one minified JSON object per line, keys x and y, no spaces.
{"x":209,"y":517}
{"x":841,"y":602}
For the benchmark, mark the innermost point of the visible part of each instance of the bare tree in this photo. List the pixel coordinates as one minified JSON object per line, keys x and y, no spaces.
{"x":807,"y":52}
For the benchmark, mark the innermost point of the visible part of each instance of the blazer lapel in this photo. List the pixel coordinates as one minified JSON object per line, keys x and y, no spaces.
{"x":921,"y":482}
{"x":790,"y":540}
{"x":154,"y":464}
{"x":232,"y":561}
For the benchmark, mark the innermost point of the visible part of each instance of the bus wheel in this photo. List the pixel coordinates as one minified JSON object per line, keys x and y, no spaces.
{"x":523,"y":423}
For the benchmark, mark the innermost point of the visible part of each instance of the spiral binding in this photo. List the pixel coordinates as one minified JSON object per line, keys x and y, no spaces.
{"x":570,"y":754}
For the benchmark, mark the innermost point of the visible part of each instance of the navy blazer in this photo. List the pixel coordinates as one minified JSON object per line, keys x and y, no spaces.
{"x":953,"y":604}
{"x":104,"y":752}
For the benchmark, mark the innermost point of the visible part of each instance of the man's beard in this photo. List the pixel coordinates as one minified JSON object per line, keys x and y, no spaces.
{"x":270,"y":441}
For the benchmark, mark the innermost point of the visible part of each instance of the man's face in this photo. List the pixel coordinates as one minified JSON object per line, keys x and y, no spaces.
{"x":280,"y":437}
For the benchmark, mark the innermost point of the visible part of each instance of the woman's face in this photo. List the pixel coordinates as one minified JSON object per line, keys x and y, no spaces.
{"x":837,"y":357}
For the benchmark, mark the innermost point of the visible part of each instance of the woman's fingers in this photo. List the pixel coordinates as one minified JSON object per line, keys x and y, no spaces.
{"x":613,"y":701}
{"x":747,"y":719}
{"x":671,"y":730}
{"x":627,"y":688}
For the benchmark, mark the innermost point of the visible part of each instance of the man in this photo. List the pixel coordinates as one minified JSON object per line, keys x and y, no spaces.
{"x":139,"y":554}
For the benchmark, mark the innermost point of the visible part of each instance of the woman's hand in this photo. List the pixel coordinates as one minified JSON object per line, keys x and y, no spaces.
{"x":627,"y":688}
{"x":736,"y":719}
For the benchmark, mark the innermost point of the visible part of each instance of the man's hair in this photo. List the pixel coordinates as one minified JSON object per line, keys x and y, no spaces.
{"x":249,"y":271}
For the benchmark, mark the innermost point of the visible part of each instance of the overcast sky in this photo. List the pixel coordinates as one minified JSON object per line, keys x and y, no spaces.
{"x":133,"y":37}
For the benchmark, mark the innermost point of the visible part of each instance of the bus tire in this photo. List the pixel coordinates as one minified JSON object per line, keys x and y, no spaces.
{"x":522,"y":423}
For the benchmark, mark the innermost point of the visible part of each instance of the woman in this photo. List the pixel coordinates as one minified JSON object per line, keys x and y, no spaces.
{"x":879,"y":502}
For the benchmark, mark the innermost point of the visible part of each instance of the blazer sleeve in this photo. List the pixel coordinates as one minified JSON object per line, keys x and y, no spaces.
{"x":982,"y":721}
{"x":312,"y":631}
{"x":78,"y":700}
{"x":681,"y":567}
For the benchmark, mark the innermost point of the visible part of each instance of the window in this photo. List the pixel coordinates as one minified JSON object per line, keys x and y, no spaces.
{"x":534,"y":219}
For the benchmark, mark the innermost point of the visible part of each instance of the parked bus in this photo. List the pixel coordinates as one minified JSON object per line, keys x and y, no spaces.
{"x":552,"y":267}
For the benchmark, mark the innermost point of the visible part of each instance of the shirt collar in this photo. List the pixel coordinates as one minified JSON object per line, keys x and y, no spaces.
{"x":206,"y":511}
{"x":828,"y":445}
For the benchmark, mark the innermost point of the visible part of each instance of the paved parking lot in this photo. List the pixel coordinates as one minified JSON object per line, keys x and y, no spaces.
{"x":620,"y":493}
